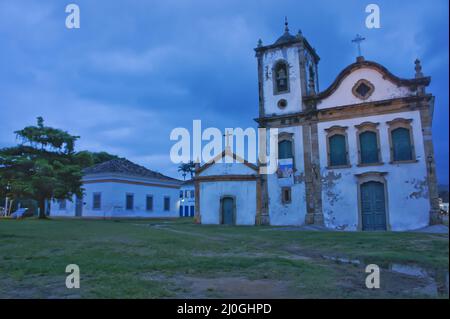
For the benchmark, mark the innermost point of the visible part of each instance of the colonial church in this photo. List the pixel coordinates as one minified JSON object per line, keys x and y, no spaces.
{"x":355,"y":156}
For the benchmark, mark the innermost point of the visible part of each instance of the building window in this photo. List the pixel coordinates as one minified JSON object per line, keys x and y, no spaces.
{"x":186,"y":194}
{"x":368,"y":144}
{"x":285,"y":195}
{"x":337,"y":147}
{"x":401,"y":144}
{"x":97,"y":201}
{"x":363,"y":89}
{"x":149,"y":203}
{"x":285,"y":149}
{"x":192,"y":194}
{"x":129,"y":202}
{"x":401,"y":140}
{"x":369,"y":147}
{"x":282,"y":104}
{"x":62,"y":204}
{"x":181,"y":194}
{"x":281,"y":77}
{"x":338,"y":152}
{"x":166,"y":203}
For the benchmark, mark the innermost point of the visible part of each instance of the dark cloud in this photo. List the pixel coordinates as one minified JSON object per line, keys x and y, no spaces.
{"x":137,"y":69}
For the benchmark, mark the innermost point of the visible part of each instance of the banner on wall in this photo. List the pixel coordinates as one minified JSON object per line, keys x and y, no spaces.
{"x":286,"y":172}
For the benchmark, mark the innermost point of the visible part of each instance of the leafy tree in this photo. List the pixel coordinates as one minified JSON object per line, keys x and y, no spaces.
{"x":42,"y":167}
{"x":87,"y":159}
{"x":187,"y":168}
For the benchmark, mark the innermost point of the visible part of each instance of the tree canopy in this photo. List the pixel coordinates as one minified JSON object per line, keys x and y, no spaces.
{"x":42,"y":167}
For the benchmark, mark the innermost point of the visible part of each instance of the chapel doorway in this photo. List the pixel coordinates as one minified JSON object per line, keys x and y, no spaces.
{"x":227,"y":211}
{"x":373,"y":206}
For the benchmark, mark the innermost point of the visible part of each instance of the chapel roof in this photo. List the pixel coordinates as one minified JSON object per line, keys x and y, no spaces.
{"x":362,"y":63}
{"x":124,"y":166}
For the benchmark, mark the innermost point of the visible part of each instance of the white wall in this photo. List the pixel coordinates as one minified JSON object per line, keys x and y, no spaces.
{"x":113,"y":196}
{"x":407,"y":189}
{"x":384,"y":89}
{"x":244,"y":193}
{"x":293,"y":213}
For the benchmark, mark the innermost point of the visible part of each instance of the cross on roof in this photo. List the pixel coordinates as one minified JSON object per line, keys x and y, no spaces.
{"x":358,"y":41}
{"x":227,"y":135}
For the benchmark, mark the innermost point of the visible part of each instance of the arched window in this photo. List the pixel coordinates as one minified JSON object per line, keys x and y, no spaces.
{"x":401,"y":140}
{"x":285,"y":149}
{"x":337,"y":147}
{"x":281,"y":77}
{"x":368,"y":145}
{"x":368,"y":138}
{"x":401,"y":144}
{"x":338,"y":150}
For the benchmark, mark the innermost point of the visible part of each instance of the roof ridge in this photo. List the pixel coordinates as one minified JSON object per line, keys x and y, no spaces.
{"x":125,"y":166}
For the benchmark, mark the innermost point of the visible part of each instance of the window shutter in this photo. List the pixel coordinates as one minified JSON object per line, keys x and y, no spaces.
{"x":338,"y":150}
{"x":369,"y":147}
{"x":401,"y":141}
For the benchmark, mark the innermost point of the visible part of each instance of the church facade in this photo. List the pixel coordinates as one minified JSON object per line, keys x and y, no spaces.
{"x":355,"y":156}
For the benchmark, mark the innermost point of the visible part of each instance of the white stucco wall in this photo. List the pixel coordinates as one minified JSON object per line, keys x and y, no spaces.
{"x":211,"y":192}
{"x":294,"y":212}
{"x":293,"y":97}
{"x":244,"y":193}
{"x":113,"y":197}
{"x":408,"y":204}
{"x":384,"y":89}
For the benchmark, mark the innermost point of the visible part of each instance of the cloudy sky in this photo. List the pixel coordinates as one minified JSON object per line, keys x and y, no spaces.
{"x":137,"y":69}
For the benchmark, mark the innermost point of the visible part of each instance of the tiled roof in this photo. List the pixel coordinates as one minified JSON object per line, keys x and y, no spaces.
{"x":124,"y":166}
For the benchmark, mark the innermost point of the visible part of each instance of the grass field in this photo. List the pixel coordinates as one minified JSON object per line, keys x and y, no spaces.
{"x":177,"y":259}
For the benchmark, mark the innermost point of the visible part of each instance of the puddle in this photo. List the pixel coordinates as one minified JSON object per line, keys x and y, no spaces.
{"x":341,"y":260}
{"x":409,"y":270}
{"x":436,"y":281}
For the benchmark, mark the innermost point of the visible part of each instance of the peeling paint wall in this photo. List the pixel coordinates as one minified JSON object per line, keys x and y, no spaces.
{"x":408,"y":204}
{"x":294,"y":212}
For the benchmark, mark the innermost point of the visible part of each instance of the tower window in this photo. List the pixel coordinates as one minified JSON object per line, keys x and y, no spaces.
{"x":285,"y":149}
{"x":281,"y":77}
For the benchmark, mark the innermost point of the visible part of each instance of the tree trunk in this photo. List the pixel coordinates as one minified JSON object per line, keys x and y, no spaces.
{"x":42,"y":209}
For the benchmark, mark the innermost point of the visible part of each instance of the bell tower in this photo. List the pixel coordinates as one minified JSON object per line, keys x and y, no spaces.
{"x":287,"y":71}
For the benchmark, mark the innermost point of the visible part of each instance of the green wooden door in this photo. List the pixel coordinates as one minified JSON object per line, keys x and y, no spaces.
{"x":373,"y":208}
{"x":228,"y":211}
